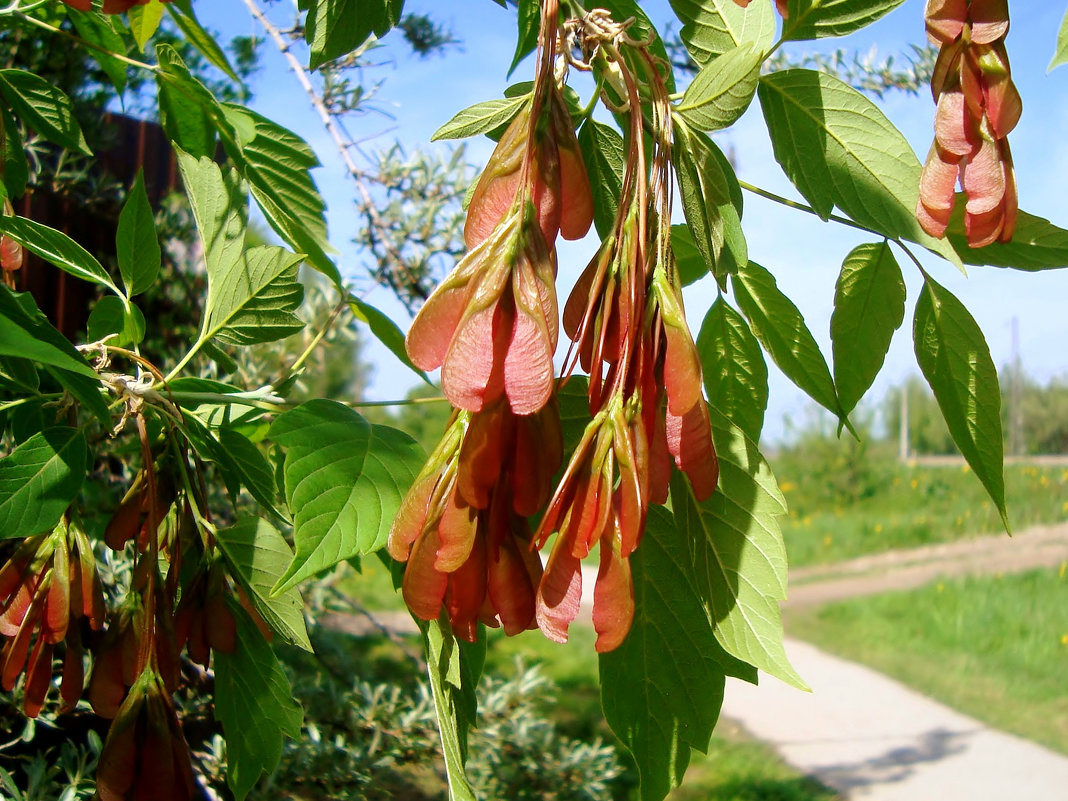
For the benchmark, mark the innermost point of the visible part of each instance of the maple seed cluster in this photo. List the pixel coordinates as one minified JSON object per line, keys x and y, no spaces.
{"x":978,"y":105}
{"x":492,"y":327}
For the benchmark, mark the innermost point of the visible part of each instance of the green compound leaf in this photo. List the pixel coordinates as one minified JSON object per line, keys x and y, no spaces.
{"x":44,"y":108}
{"x":57,"y":248}
{"x":839,"y":149}
{"x":712,"y":27}
{"x":662,"y":689}
{"x":738,"y":552}
{"x":955,"y":360}
{"x":255,"y":704}
{"x":344,"y":481}
{"x":816,"y":19}
{"x":711,"y":201}
{"x":137,"y":245}
{"x":39,"y":479}
{"x":335,"y":28}
{"x":185,"y":18}
{"x":1037,"y":244}
{"x":723,"y":89}
{"x":732,"y":364}
{"x":481,"y":118}
{"x":603,"y":155}
{"x":454,"y":668}
{"x":779,"y":326}
{"x":258,"y":556}
{"x":869,"y":306}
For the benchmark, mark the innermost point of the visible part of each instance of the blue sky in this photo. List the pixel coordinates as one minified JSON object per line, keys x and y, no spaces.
{"x":803,"y":253}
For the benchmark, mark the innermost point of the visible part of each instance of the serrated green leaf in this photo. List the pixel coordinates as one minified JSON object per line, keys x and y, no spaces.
{"x":529,"y":12}
{"x":723,"y":89}
{"x":258,"y":556}
{"x":1037,"y":244}
{"x":15,"y":172}
{"x":57,"y":248}
{"x":43,"y":107}
{"x":99,"y":29}
{"x":839,"y":149}
{"x":1060,"y":56}
{"x":781,"y":329}
{"x":185,"y":18}
{"x":955,"y":359}
{"x":111,"y":316}
{"x":185,"y":105}
{"x":218,"y":203}
{"x":454,"y":668}
{"x":335,"y":28}
{"x":816,"y":19}
{"x":869,"y":306}
{"x":712,"y":27}
{"x":711,"y":202}
{"x":30,"y":335}
{"x":344,"y":481}
{"x":662,"y":689}
{"x":144,"y":21}
{"x":385,"y":331}
{"x":733,"y":368}
{"x":603,"y":155}
{"x":255,"y":704}
{"x":137,"y":245}
{"x":481,"y":118}
{"x":39,"y":479}
{"x":738,"y":552}
{"x":255,"y":300}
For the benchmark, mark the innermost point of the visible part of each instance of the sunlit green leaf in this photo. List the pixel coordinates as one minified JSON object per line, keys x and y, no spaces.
{"x":100,"y":30}
{"x":1037,"y":244}
{"x":815,"y":19}
{"x":145,"y":20}
{"x":39,"y":479}
{"x":722,"y":90}
{"x":57,"y":248}
{"x":43,"y":107}
{"x":29,"y":335}
{"x":1061,"y":54}
{"x":344,"y":481}
{"x":955,"y":359}
{"x":137,"y":245}
{"x":481,"y":118}
{"x":735,"y":375}
{"x":111,"y":316}
{"x":529,"y":12}
{"x":385,"y":331}
{"x":335,"y":28}
{"x":869,"y":306}
{"x":185,"y":18}
{"x":603,"y":155}
{"x":712,"y":27}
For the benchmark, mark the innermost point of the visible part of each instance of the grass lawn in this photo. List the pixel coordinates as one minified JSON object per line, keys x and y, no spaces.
{"x":906,"y":507}
{"x":994,"y":648}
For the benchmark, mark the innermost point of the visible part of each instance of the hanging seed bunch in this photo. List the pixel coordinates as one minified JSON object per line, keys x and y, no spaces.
{"x":492,"y":327}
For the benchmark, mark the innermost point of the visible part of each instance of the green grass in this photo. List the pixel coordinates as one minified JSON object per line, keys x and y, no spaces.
{"x":898,"y":506}
{"x":994,"y":648}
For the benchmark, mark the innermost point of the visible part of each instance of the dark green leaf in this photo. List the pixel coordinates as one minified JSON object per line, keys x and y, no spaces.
{"x":481,"y":118}
{"x":335,"y":28}
{"x":527,"y":40}
{"x":738,"y":553}
{"x":185,"y":104}
{"x":663,"y":687}
{"x":688,"y":259}
{"x":735,"y":375}
{"x":87,"y":391}
{"x":869,"y":305}
{"x":99,"y":29}
{"x":723,"y":89}
{"x":258,"y":556}
{"x":29,"y":335}
{"x":137,"y":245}
{"x":1037,"y":244}
{"x":38,"y":481}
{"x":57,"y":248}
{"x":779,"y":326}
{"x":44,"y":108}
{"x":185,"y":18}
{"x":111,"y":316}
{"x":710,"y":200}
{"x":344,"y":481}
{"x":816,"y":19}
{"x":603,"y":154}
{"x":255,"y":704}
{"x":712,"y":27}
{"x":840,"y":150}
{"x":15,"y":173}
{"x":1061,"y":54}
{"x":955,"y":360}
{"x":385,"y":331}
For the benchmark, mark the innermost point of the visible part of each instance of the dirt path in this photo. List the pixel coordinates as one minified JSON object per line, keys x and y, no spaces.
{"x":1040,"y":546}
